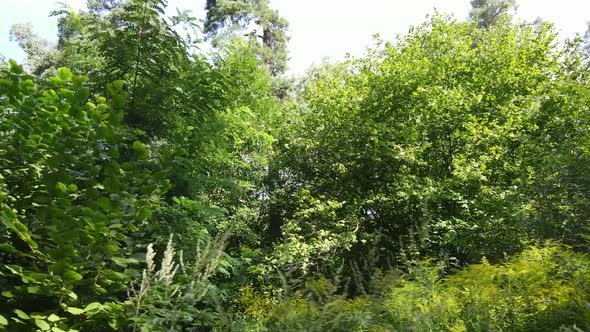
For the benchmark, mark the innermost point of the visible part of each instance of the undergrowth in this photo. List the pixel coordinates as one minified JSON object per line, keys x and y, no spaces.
{"x":541,"y":289}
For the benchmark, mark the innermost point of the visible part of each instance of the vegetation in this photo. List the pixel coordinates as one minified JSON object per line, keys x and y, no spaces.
{"x":439,"y":183}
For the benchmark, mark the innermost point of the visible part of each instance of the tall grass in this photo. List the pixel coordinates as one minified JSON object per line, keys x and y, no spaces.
{"x":542,"y":289}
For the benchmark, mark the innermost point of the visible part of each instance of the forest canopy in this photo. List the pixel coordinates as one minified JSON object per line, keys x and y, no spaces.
{"x":440,"y":182}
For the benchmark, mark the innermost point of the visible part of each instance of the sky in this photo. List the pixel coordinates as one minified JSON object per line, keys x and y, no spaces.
{"x":318,"y":28}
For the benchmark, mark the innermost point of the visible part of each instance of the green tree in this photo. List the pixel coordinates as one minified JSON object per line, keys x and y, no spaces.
{"x":126,"y":43}
{"x":41,"y":55}
{"x":487,"y":12}
{"x":236,"y":17}
{"x":430,"y":146}
{"x":587,"y":40}
{"x":207,"y":127}
{"x":210,"y":122}
{"x":101,"y":6}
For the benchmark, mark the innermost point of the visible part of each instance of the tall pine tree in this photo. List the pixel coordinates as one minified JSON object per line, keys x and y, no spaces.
{"x":486,"y":13}
{"x":226,"y":17}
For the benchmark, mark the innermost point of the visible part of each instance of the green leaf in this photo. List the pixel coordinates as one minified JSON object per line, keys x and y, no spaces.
{"x":17,"y":320}
{"x":114,"y":275}
{"x":58,"y":82}
{"x":7,"y":294}
{"x":53,"y":318}
{"x":64,"y":74}
{"x":72,"y":275}
{"x":61,"y":187}
{"x":104,"y":203}
{"x":137,"y":145}
{"x":72,"y":295}
{"x":118,"y":85}
{"x":142,"y":151}
{"x":81,"y":95}
{"x":118,"y":100}
{"x":21,"y":314}
{"x":75,"y":311}
{"x":8,"y":218}
{"x":123,"y":262}
{"x":15,"y":67}
{"x":93,"y":306}
{"x":3,"y":320}
{"x":43,"y":325}
{"x":33,"y":289}
{"x":7,"y":247}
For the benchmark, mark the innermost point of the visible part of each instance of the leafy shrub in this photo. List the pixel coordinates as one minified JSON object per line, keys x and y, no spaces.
{"x":72,"y":193}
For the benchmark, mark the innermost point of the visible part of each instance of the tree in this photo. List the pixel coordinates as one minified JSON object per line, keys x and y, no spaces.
{"x":180,"y":147}
{"x":433,"y":146}
{"x":41,"y":55}
{"x":125,"y":42}
{"x":210,"y":121}
{"x":487,"y":12}
{"x":587,"y":40}
{"x":102,"y":6}
{"x":226,"y":17}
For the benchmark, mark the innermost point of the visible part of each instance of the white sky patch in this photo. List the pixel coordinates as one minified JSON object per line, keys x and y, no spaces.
{"x":319,"y":28}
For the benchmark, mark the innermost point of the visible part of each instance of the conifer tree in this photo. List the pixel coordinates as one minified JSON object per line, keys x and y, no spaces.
{"x":254,"y":19}
{"x":486,"y":13}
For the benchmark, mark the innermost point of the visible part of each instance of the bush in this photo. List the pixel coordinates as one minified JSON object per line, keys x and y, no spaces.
{"x":71,"y":195}
{"x":541,"y":289}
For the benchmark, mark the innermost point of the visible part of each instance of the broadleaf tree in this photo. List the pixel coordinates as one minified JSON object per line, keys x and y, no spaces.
{"x":434,"y":145}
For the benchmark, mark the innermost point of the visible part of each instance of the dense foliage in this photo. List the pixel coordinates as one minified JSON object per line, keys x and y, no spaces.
{"x":451,"y":141}
{"x":439,"y":183}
